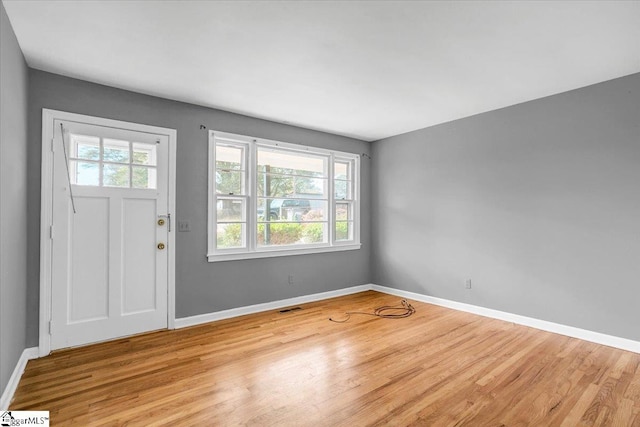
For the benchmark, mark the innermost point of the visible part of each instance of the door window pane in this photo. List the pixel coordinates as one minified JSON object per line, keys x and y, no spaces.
{"x":115,"y":151}
{"x":144,"y":154}
{"x":143,"y":177}
{"x":115,"y":175}
{"x":85,"y":147}
{"x":86,"y":173}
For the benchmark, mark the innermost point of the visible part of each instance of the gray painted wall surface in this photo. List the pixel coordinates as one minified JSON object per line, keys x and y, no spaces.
{"x":13,"y":200}
{"x":201,"y":287}
{"x":538,"y":204}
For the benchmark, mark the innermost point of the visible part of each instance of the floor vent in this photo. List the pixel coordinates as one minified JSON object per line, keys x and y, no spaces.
{"x":286,"y":310}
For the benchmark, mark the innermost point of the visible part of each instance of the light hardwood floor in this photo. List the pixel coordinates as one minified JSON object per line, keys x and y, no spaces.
{"x":439,"y":367}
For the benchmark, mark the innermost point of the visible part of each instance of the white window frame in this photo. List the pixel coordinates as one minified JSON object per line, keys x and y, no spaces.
{"x":251,"y":249}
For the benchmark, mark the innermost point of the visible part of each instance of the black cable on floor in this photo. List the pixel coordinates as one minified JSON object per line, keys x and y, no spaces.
{"x":405,"y":310}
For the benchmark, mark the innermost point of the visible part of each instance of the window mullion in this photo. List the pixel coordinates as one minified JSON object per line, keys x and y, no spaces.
{"x":212,"y":214}
{"x":252,"y":215}
{"x":101,"y":164}
{"x":130,"y":164}
{"x":332,"y":203}
{"x":355,"y":197}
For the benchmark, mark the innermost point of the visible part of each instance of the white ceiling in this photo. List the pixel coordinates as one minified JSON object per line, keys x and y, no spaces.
{"x":363,"y":69}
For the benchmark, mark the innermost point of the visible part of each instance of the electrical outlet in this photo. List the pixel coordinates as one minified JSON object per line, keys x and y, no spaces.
{"x":291,"y":279}
{"x":184,"y":226}
{"x":468,"y":283}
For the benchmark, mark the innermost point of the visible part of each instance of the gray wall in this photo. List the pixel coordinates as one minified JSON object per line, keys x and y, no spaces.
{"x":538,"y":204}
{"x":201,"y":287}
{"x":13,"y":200}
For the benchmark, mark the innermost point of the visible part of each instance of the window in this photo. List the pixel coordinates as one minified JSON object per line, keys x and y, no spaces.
{"x":105,"y":162}
{"x":269,"y":198}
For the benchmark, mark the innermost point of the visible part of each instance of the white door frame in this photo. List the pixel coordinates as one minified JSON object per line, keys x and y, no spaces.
{"x":46,"y":213}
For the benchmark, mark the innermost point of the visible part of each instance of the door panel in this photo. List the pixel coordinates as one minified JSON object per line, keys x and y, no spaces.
{"x":89,"y":239}
{"x":109,"y":278}
{"x":139,"y":264}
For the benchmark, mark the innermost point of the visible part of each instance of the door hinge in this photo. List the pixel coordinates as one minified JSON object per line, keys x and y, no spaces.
{"x":52,"y":144}
{"x":51,"y":232}
{"x":50,"y":327}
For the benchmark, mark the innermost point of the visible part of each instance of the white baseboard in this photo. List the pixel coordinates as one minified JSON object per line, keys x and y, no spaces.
{"x":583,"y":334}
{"x":250,"y":309}
{"x":12,"y":385}
{"x":570,"y":331}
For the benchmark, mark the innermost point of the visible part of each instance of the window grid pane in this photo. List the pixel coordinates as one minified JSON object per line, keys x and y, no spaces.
{"x":231,"y":235}
{"x":292,"y":198}
{"x":291,"y":209}
{"x":271,"y":234}
{"x":344,"y":211}
{"x":231,"y":209}
{"x":231,"y":169}
{"x":343,"y":179}
{"x":342,"y":189}
{"x":342,"y":170}
{"x":280,"y":185}
{"x":286,"y":162}
{"x":344,"y":231}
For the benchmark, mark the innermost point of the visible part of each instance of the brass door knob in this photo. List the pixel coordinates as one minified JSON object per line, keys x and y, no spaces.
{"x":161,"y":246}
{"x":161,"y":222}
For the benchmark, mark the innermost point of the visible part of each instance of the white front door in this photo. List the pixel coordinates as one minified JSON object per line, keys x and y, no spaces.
{"x":110,"y":228}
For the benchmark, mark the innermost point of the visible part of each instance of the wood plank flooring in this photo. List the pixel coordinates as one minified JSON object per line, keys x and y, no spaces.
{"x":439,"y":367}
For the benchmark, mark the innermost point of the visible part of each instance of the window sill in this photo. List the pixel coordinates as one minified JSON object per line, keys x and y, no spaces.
{"x":281,"y":252}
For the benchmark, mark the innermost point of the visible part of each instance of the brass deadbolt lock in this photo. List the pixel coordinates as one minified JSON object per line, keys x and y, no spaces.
{"x":161,"y":222}
{"x":161,"y":246}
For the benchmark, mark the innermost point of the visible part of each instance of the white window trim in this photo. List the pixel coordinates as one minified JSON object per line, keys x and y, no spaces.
{"x":252,"y":251}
